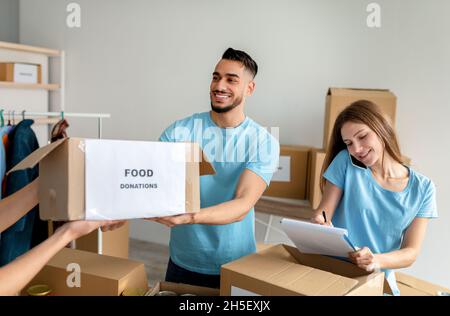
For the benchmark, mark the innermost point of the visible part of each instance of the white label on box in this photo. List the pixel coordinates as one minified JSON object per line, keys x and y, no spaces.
{"x":236,"y":291}
{"x":283,"y":174}
{"x":128,"y":179}
{"x":25,"y":73}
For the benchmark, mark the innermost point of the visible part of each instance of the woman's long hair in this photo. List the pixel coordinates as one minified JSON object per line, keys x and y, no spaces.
{"x":368,"y":113}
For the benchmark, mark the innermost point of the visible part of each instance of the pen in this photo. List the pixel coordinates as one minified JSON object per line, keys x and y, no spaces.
{"x":325,"y":218}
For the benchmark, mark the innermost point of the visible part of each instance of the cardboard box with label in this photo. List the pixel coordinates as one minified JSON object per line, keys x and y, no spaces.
{"x":20,"y":72}
{"x":80,"y":273}
{"x":182,"y":289}
{"x":283,"y":270}
{"x":112,"y":179}
{"x":339,"y":98}
{"x":290,"y":179}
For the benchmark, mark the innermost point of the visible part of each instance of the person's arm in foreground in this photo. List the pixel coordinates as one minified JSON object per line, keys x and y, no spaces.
{"x":15,"y":206}
{"x":16,"y":275}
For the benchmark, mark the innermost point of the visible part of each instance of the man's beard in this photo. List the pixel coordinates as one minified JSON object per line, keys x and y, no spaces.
{"x":226,"y":109}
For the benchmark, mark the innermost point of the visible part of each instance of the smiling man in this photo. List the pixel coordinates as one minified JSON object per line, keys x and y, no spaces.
{"x":244,"y":155}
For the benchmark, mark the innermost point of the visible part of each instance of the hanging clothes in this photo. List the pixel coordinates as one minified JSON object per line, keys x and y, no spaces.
{"x":26,"y":232}
{"x":59,"y":130}
{"x":3,"y":134}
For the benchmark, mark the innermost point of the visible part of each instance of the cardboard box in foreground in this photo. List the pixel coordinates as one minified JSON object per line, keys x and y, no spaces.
{"x":99,"y":275}
{"x":283,"y":270}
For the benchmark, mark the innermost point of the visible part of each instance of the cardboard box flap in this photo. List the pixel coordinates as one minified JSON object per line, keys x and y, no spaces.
{"x":330,"y":264}
{"x":422,"y":285}
{"x":360,"y":91}
{"x":206,"y":168}
{"x":35,"y":157}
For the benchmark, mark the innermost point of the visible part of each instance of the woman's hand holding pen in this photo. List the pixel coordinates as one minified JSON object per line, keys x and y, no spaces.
{"x":321,"y":219}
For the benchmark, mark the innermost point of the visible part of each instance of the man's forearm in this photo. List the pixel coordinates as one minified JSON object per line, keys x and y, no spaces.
{"x":224,"y":213}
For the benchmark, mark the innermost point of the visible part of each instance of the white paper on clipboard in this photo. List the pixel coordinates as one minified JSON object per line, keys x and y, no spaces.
{"x":318,"y":239}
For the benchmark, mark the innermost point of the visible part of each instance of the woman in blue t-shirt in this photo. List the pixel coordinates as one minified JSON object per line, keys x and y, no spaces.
{"x":369,"y":190}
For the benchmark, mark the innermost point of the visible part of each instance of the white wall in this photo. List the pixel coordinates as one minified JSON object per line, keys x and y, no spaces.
{"x":149,"y":63}
{"x":9,"y":20}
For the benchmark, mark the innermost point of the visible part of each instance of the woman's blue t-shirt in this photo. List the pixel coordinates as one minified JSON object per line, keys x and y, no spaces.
{"x":375,"y":217}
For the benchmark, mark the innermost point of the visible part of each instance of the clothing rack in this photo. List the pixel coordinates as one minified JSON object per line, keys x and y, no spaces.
{"x":61,"y":115}
{"x":27,"y":114}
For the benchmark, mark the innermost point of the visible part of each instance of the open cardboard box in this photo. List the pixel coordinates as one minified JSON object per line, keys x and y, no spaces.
{"x":283,"y":270}
{"x":182,"y":289}
{"x":62,"y":176}
{"x":100,"y":275}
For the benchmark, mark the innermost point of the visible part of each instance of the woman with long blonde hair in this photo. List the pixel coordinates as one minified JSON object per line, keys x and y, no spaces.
{"x":369,"y":190}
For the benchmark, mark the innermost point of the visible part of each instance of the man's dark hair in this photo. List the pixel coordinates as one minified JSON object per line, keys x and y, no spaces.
{"x":242,"y":57}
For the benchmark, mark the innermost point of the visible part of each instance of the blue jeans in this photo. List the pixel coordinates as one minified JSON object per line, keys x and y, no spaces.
{"x":177,"y":274}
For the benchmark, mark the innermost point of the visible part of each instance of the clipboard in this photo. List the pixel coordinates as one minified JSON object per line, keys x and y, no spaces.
{"x":318,"y":239}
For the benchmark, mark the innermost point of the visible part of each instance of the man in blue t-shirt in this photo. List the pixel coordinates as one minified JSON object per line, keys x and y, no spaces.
{"x":244,"y":156}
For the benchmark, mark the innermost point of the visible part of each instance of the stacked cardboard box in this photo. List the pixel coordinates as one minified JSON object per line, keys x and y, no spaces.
{"x":290,"y":179}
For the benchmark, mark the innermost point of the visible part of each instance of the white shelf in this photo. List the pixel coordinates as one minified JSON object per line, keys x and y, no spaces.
{"x":30,"y":86}
{"x":30,"y":49}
